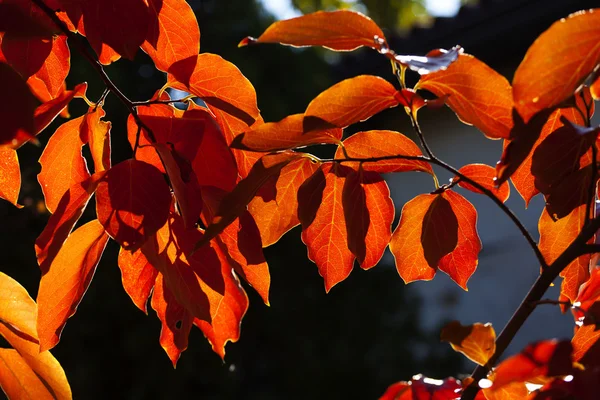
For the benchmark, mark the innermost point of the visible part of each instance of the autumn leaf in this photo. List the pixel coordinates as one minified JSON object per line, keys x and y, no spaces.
{"x":218,"y":82}
{"x":286,"y":134}
{"x":350,"y":101}
{"x":45,"y":113}
{"x":398,"y":391}
{"x":557,"y":63}
{"x":484,"y":175}
{"x":16,"y":110}
{"x":586,"y":345}
{"x":546,"y":358}
{"x":476,"y":342}
{"x":10,"y":175}
{"x":435,"y":60}
{"x":570,"y":193}
{"x":476,"y":93}
{"x":586,"y":308}
{"x":555,"y":237}
{"x":173,"y":33}
{"x":436,"y":231}
{"x":65,"y":283}
{"x":375,"y":144}
{"x":63,"y":165}
{"x":138,"y":277}
{"x":341,"y":30}
{"x":25,"y":363}
{"x":276,"y":215}
{"x":132,"y":202}
{"x":234,"y":204}
{"x":98,"y":135}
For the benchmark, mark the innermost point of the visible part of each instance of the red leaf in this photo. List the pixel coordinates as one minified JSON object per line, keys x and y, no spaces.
{"x":98,"y":134}
{"x":16,"y":110}
{"x":350,"y":101}
{"x":61,"y":223}
{"x":275,"y":215}
{"x":555,"y":237}
{"x":340,"y":30}
{"x":586,"y":346}
{"x":65,"y":283}
{"x":284,"y":135}
{"x":63,"y":165}
{"x":369,"y":213}
{"x":436,"y":231}
{"x":115,"y":28}
{"x":545,"y":358}
{"x":568,"y":194}
{"x":484,"y":175}
{"x":557,"y":63}
{"x":476,"y":93}
{"x":374,"y":144}
{"x":176,"y":321}
{"x":132,"y":202}
{"x":173,"y":33}
{"x":398,"y":391}
{"x":235,"y":202}
{"x":218,"y":82}
{"x":47,"y":112}
{"x":476,"y":342}
{"x":587,"y":300}
{"x":10,"y":175}
{"x":138,"y":276}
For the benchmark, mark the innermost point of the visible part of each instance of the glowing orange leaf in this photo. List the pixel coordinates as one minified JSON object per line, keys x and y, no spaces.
{"x":10,"y":175}
{"x":477,"y":342}
{"x":138,"y":276}
{"x":98,"y":134}
{"x":341,"y":30}
{"x":484,"y":175}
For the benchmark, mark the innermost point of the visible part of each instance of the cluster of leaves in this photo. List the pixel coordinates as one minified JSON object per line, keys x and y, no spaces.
{"x":210,"y":185}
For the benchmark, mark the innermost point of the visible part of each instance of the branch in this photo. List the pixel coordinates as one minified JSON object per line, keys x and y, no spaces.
{"x":83,"y":50}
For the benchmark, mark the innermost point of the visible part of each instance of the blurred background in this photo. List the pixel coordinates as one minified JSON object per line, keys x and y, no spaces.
{"x":371,"y":330}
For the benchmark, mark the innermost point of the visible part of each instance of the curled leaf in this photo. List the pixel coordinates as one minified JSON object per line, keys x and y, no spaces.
{"x":477,"y":342}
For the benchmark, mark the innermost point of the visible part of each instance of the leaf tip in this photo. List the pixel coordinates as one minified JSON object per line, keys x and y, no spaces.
{"x":246,"y":41}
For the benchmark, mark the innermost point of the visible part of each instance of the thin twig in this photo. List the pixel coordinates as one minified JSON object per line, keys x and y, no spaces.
{"x":592,"y":189}
{"x":157,"y":101}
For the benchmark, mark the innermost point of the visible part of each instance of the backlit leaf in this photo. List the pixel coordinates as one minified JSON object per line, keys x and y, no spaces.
{"x":62,"y":162}
{"x":477,"y":342}
{"x":61,"y":222}
{"x":65,"y":283}
{"x":10,"y":175}
{"x":545,"y":358}
{"x":173,"y":32}
{"x":586,"y":345}
{"x":373,"y":144}
{"x":555,"y":237}
{"x":98,"y":134}
{"x":16,"y":110}
{"x":138,"y":277}
{"x":587,"y":301}
{"x":17,"y":308}
{"x":218,"y":82}
{"x":340,"y":30}
{"x":398,"y":391}
{"x":46,"y":113}
{"x":132,"y":202}
{"x":350,"y":101}
{"x":275,"y":215}
{"x":484,"y":175}
{"x":17,"y":379}
{"x":557,"y":63}
{"x":511,"y":391}
{"x":284,"y":135}
{"x":476,"y":93}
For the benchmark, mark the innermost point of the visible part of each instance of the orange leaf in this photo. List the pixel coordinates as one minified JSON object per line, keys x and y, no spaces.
{"x":595,"y":88}
{"x":398,"y":391}
{"x":176,"y":321}
{"x":555,"y":237}
{"x":586,"y":345}
{"x":477,"y":94}
{"x":115,"y":28}
{"x":22,"y":337}
{"x":511,"y":391}
{"x":350,"y":101}
{"x":65,"y":283}
{"x":374,"y":144}
{"x":61,"y":222}
{"x":235,"y":202}
{"x":10,"y":175}
{"x":98,"y":134}
{"x":49,"y":81}
{"x":546,"y":358}
{"x":557,"y":63}
{"x":132,"y":202}
{"x":341,"y":30}
{"x":275,"y":215}
{"x":284,"y":135}
{"x":585,"y":310}
{"x":477,"y":342}
{"x":436,"y":231}
{"x":138,"y":276}
{"x":16,"y":110}
{"x":63,"y":165}
{"x":218,"y":82}
{"x":484,"y":175}
{"x":369,"y":213}
{"x":47,"y":112}
{"x":173,"y":33}
{"x":523,"y":178}
{"x":17,"y":379}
